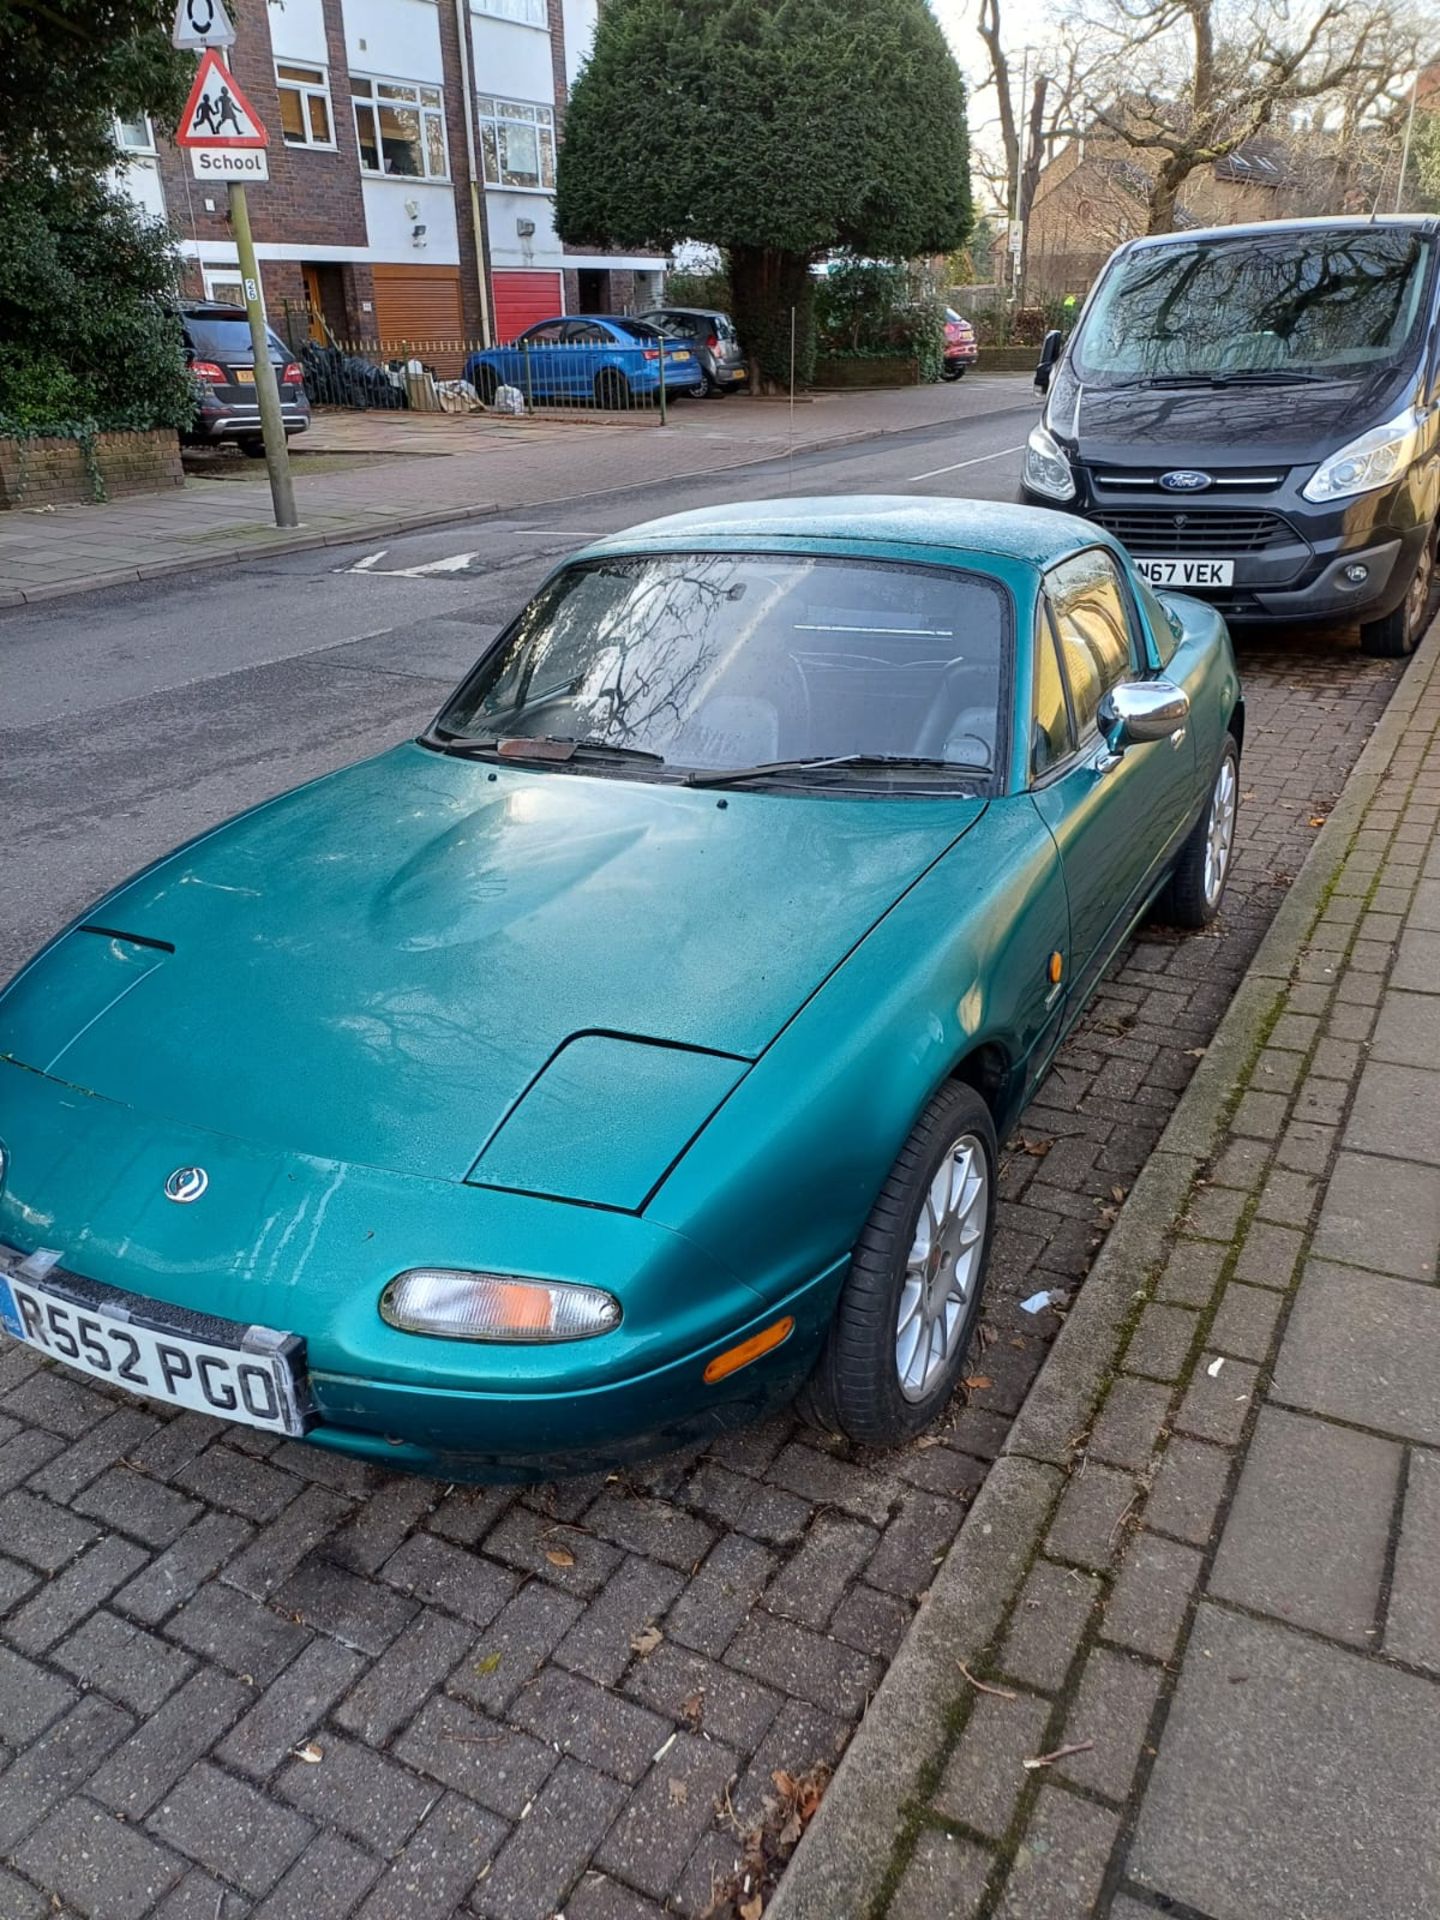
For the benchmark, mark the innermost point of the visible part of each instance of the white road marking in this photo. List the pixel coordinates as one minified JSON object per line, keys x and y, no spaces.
{"x":452,"y":563}
{"x":978,"y":461}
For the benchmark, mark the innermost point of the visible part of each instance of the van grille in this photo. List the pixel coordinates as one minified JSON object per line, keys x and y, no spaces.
{"x":1173,"y":530}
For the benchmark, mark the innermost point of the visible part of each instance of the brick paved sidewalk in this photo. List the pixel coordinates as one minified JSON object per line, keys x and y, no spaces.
{"x":448,"y":470}
{"x":1204,"y":1659}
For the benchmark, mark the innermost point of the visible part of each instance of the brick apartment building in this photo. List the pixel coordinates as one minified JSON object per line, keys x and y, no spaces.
{"x":412,"y":168}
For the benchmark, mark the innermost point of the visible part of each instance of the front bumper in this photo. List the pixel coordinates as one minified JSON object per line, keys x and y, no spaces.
{"x":1290,"y":556}
{"x":86,"y":1176}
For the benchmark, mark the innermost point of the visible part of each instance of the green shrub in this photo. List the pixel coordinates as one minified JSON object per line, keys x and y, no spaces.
{"x":82,"y":275}
{"x":873,"y":310}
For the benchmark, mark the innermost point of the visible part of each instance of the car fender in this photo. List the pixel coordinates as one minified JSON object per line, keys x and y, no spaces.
{"x":784,"y":1175}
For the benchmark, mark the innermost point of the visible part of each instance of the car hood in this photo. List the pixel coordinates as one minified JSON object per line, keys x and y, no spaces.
{"x":376,"y":967}
{"x":1217,"y":426}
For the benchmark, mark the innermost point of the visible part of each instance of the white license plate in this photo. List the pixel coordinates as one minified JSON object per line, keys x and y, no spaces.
{"x":256,"y":1389}
{"x":1187,"y":573}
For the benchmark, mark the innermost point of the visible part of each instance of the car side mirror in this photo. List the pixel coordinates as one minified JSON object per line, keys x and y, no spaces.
{"x":1141,"y":710}
{"x":1049,"y":353}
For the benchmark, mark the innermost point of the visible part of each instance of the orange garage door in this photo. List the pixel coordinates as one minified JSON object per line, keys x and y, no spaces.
{"x":417,"y":311}
{"x":523,"y":298}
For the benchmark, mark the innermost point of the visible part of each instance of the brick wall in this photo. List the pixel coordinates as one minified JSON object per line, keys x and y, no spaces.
{"x":456,"y":107}
{"x":53,"y":472}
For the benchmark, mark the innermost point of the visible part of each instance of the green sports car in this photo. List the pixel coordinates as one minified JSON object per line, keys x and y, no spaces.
{"x":629,"y":1051}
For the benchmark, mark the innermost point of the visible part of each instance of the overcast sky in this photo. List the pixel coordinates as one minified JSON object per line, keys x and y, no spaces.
{"x":1022,"y":21}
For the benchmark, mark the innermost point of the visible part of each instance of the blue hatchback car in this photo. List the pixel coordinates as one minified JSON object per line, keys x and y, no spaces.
{"x":596,"y":359}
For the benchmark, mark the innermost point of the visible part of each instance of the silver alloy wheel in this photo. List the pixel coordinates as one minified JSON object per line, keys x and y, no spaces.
{"x":1220,"y":835}
{"x":1418,"y":598}
{"x":942,"y":1269}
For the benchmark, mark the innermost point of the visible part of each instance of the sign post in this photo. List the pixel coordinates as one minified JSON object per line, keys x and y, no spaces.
{"x":226,"y":141}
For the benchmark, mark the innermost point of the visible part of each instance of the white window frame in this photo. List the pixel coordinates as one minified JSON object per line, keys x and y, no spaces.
{"x":520,"y":13}
{"x":495,"y":113}
{"x":127,"y":146}
{"x":218,"y":277}
{"x":410,"y":95}
{"x":308,"y":90}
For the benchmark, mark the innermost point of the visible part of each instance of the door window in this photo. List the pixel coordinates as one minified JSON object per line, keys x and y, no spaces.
{"x":1050,"y":737}
{"x":584,"y":334}
{"x":1092,"y":625}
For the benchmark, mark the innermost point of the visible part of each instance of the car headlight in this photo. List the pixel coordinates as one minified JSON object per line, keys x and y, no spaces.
{"x":1047,"y":470}
{"x":1367,"y":463}
{"x":493,"y":1306}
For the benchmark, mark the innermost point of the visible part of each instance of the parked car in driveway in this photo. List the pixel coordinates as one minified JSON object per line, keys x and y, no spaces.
{"x":221,"y":359}
{"x":631,"y":1049}
{"x":961,"y":348}
{"x":594,"y":358}
{"x":713,"y":340}
{"x":1261,"y":419}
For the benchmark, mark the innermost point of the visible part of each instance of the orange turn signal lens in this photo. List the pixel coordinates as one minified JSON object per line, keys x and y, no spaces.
{"x":1057,"y":967}
{"x":734,"y":1358}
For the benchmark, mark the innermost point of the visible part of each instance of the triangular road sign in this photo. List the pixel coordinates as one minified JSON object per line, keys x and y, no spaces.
{"x":217,"y":114}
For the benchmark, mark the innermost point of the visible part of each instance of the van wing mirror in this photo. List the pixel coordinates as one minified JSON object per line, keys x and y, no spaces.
{"x":1049,"y":353}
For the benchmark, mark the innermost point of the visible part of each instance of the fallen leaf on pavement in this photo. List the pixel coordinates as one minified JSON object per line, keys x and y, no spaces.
{"x":692,"y":1709}
{"x":1037,"y":1149}
{"x":559,"y":1557}
{"x":679,"y":1793}
{"x":646,"y":1640}
{"x":977,"y":1382}
{"x":752,"y":1909}
{"x":488,"y":1664}
{"x":1317,"y":819}
{"x":309,"y":1753}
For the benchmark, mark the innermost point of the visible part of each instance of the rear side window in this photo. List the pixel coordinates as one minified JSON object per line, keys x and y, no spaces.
{"x":1050,"y":738}
{"x":1093,"y":628}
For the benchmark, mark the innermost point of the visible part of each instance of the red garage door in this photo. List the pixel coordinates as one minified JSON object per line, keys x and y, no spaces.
{"x":523,"y":298}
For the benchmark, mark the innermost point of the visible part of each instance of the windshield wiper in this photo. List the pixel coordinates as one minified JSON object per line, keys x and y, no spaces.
{"x":553,"y":749}
{"x":733,"y":776}
{"x":1240,"y":377}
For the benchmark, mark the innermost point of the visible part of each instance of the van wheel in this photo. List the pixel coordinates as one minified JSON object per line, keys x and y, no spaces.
{"x":910,"y":1302}
{"x":1402,"y":630}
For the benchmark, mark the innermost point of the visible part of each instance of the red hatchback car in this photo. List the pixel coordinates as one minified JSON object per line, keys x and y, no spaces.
{"x":961,"y":348}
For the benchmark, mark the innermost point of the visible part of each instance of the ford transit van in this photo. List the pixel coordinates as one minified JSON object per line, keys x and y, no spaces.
{"x":1255,"y":412}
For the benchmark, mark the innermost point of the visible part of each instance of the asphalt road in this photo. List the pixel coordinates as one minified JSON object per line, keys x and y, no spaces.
{"x":133,"y":718}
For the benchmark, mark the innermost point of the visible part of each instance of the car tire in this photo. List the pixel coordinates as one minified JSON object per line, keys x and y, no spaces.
{"x":1197,"y":880}
{"x":612,"y":389}
{"x":709,"y":388}
{"x":487,"y":385}
{"x":253,"y":449}
{"x":897,"y":1343}
{"x":1402,"y":629}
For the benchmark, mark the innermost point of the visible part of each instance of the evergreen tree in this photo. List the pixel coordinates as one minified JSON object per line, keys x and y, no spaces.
{"x":780,"y":130}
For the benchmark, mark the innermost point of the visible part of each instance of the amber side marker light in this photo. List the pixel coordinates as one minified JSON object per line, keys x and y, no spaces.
{"x":734,"y":1358}
{"x":1057,"y":967}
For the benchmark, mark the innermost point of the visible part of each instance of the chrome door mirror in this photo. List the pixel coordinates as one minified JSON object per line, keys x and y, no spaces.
{"x":1140,"y":710}
{"x":1049,"y":353}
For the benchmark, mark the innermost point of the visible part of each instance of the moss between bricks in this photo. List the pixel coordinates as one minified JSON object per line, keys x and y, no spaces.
{"x":82,"y":468}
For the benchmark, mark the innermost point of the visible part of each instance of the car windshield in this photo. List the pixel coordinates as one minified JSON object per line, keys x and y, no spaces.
{"x":1337,"y":304}
{"x":722,"y":660}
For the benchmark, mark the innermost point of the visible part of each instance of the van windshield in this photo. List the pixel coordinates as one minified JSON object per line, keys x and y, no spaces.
{"x":1335,"y":304}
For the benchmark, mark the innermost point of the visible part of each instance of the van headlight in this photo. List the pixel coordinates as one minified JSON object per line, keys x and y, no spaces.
{"x":496,"y":1306}
{"x":1372,"y":461}
{"x":1047,"y":470}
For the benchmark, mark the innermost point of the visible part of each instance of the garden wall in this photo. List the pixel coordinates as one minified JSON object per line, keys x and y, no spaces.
{"x":51,"y":471}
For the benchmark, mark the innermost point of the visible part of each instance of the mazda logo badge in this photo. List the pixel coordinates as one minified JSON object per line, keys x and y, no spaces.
{"x":186,"y":1184}
{"x":1185,"y":480}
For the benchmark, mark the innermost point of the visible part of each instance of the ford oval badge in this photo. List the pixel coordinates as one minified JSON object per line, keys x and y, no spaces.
{"x":186,"y":1184}
{"x":1185,"y":480}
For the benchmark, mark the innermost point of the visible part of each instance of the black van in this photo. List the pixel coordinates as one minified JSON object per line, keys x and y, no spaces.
{"x":1255,"y":412}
